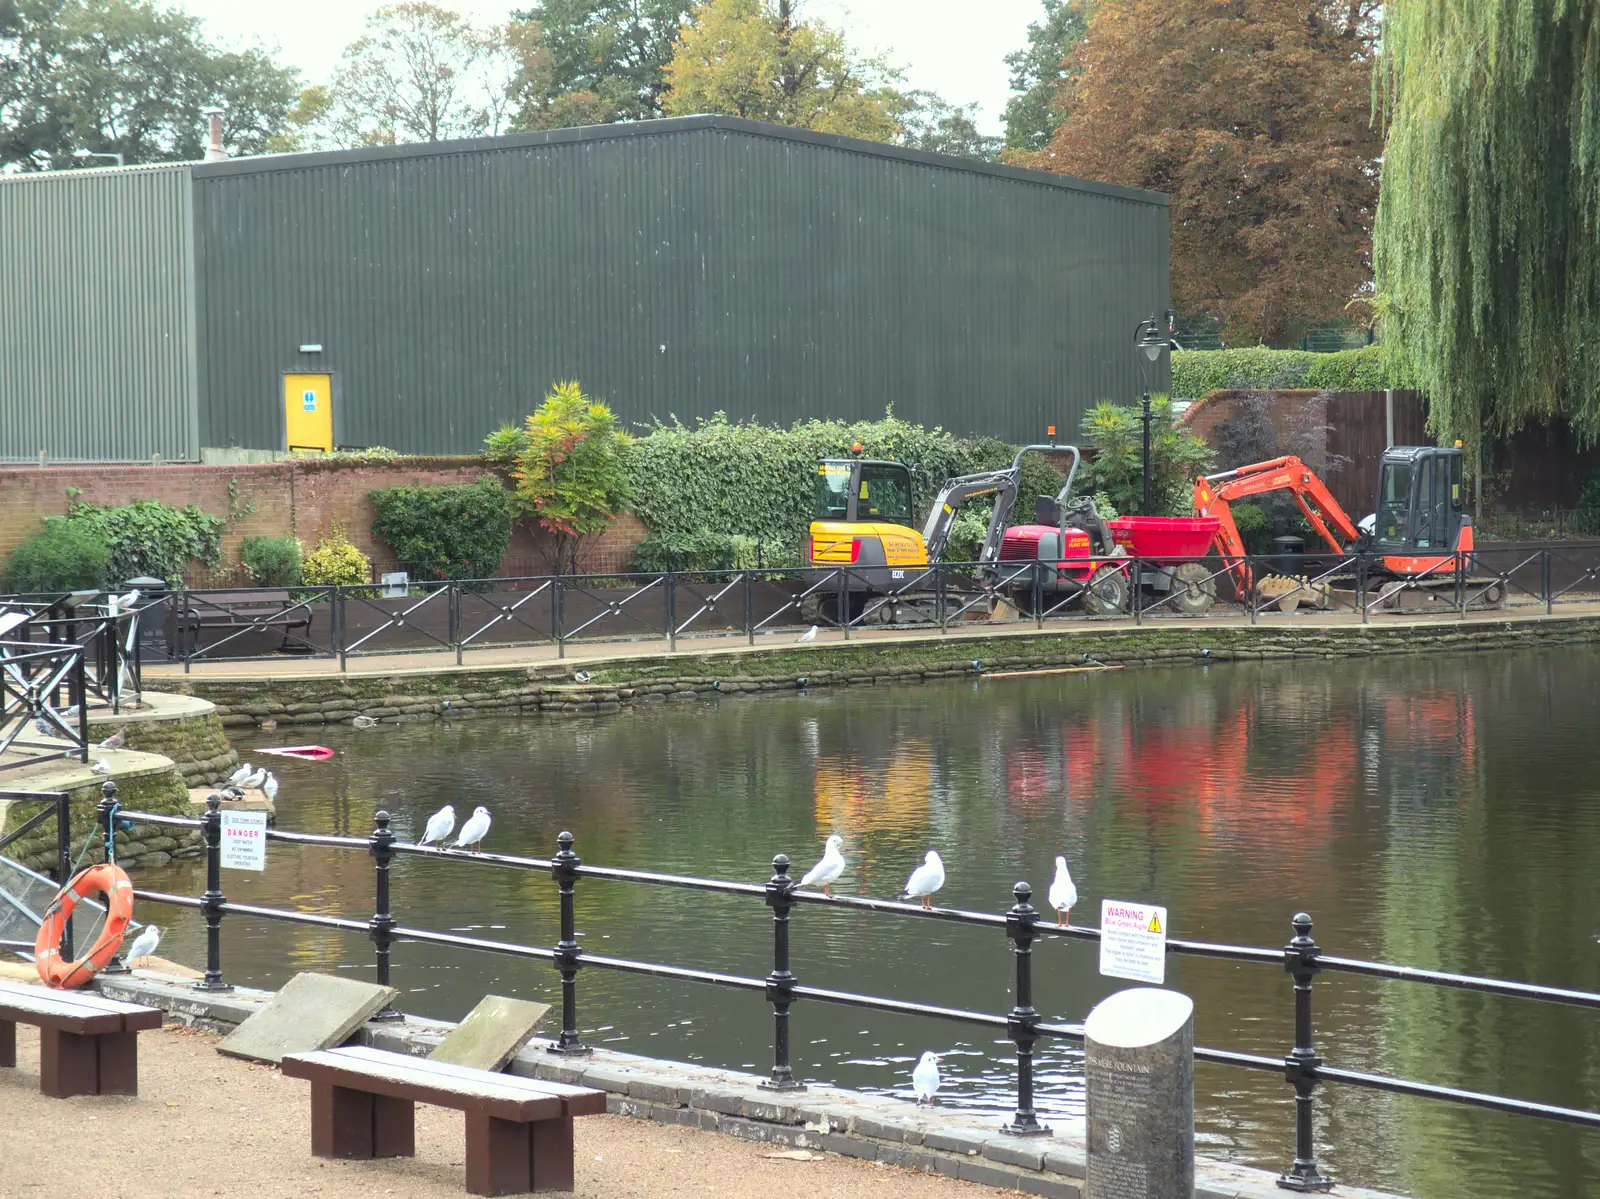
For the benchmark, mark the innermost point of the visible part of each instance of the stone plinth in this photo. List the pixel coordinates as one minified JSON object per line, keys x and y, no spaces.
{"x":1139,"y":1067}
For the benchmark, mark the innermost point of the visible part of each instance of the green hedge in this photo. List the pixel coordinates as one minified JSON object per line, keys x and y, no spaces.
{"x":60,"y":557}
{"x":1197,"y":372}
{"x":148,"y":537}
{"x":459,"y":531}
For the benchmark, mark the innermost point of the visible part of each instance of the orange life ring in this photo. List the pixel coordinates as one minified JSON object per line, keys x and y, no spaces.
{"x":57,"y":971}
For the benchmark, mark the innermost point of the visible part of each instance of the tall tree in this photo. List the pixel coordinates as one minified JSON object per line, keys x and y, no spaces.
{"x":759,"y":59}
{"x":1487,"y":243}
{"x":607,"y":57}
{"x":124,"y":76}
{"x":1037,"y":72}
{"x":929,"y":122}
{"x":1255,"y":117}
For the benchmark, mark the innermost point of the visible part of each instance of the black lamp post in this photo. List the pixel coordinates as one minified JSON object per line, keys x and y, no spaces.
{"x":1149,"y":339}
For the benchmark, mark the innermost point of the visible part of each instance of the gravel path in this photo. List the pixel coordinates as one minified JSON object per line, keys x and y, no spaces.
{"x":206,"y":1125}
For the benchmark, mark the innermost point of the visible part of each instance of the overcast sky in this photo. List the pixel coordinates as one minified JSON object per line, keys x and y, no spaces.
{"x":953,"y":47}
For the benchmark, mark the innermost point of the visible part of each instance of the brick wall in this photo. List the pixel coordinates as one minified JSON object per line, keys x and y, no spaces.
{"x":298,"y":496}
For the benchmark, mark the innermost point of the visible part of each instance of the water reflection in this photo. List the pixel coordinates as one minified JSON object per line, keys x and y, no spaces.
{"x":1438,"y":812}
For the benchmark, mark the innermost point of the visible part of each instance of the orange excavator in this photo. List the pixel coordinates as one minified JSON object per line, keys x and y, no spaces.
{"x":1418,"y":533}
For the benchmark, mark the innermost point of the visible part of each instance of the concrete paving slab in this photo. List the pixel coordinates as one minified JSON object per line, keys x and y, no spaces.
{"x":310,"y":1012}
{"x":491,"y":1034}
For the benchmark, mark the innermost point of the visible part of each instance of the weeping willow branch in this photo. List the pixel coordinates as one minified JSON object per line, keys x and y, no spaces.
{"x":1486,"y":245}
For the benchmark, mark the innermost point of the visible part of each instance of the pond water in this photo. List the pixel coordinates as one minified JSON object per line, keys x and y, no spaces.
{"x":1437,"y":812}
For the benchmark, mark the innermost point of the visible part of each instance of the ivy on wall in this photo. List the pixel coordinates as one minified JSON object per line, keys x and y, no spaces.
{"x":1196,"y":373}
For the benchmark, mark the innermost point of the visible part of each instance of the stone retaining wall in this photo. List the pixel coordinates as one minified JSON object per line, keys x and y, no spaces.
{"x":197,"y":745}
{"x":160,"y":791}
{"x":622,"y":683}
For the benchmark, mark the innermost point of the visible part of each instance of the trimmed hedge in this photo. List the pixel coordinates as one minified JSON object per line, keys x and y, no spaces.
{"x":455,"y":531}
{"x":60,"y":557}
{"x":1196,"y":373}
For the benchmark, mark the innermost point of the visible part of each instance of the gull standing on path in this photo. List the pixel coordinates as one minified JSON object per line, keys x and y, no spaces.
{"x":809,"y":635}
{"x":440,"y":825}
{"x":144,"y":945}
{"x":475,"y":829}
{"x":925,"y":1078}
{"x":829,"y":868}
{"x":1063,"y":892}
{"x":925,"y":880}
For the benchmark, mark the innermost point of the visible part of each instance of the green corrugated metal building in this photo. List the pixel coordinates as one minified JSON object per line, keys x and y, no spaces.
{"x":424,"y":294}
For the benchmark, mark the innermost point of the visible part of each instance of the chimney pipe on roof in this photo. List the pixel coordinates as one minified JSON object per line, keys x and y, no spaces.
{"x":214,"y":150}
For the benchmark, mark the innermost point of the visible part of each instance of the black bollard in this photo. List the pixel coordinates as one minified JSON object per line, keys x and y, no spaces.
{"x":211,"y":902}
{"x":106,"y":818}
{"x":780,"y":983}
{"x":564,"y":869}
{"x":1022,"y":1020}
{"x":1300,"y":960}
{"x":381,"y":925}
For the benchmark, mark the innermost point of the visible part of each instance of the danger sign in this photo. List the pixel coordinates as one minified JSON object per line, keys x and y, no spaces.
{"x":244,"y":840}
{"x":1133,"y":941}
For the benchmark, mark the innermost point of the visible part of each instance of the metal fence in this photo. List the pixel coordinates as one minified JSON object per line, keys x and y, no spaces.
{"x":1302,"y":1065}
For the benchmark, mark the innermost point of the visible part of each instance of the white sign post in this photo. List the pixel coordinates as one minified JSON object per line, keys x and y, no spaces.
{"x":1133,"y":941}
{"x":244,"y":840}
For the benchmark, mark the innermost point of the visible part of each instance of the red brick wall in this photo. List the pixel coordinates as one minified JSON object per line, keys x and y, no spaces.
{"x":297,"y":496}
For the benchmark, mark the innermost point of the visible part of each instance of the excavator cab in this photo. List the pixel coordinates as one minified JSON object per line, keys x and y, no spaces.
{"x":853,"y":489}
{"x":1419,"y":511}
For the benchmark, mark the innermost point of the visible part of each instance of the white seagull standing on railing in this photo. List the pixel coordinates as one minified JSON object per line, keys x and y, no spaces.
{"x":440,"y":825}
{"x":124,"y":603}
{"x":1063,"y":892}
{"x":475,"y":829}
{"x":925,"y":880}
{"x":829,"y":868}
{"x":925,"y":1078}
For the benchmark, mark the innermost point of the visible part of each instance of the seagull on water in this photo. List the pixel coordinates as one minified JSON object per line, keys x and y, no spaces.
{"x":829,"y":868}
{"x":475,"y":829}
{"x":440,"y":825}
{"x":116,"y":741}
{"x":363,"y":722}
{"x":270,"y":787}
{"x":924,"y":881}
{"x":925,"y":1078}
{"x":145,"y":944}
{"x":1063,"y":892}
{"x":809,"y":635}
{"x":239,"y":775}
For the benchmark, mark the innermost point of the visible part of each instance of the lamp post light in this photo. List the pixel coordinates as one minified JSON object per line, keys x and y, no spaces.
{"x":86,"y":154}
{"x":1150,"y":337}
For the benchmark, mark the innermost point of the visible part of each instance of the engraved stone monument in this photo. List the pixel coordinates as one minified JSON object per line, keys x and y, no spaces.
{"x":1139,"y":1067}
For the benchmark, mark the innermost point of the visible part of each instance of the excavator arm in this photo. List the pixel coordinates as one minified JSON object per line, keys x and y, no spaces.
{"x":1214,"y":496}
{"x":1002,"y":484}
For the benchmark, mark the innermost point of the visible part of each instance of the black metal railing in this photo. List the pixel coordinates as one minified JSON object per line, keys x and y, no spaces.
{"x":54,"y":805}
{"x":44,"y":710}
{"x":1302,"y":1066}
{"x":108,"y":634}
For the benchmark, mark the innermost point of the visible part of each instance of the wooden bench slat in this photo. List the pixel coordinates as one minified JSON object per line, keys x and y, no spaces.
{"x":71,"y":1011}
{"x":577,"y":1101}
{"x":402,"y":1077}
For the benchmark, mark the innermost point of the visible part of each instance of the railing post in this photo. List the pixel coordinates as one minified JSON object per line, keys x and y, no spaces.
{"x":1461,"y":585}
{"x":941,"y":597}
{"x":670,"y":603}
{"x":842,"y":602}
{"x":106,"y":820}
{"x":338,"y":609}
{"x":1252,"y":587}
{"x":64,"y":862}
{"x":455,"y":617}
{"x":1300,"y":1067}
{"x":1022,"y":1020}
{"x":211,"y":902}
{"x":382,"y":923}
{"x":1038,"y":595}
{"x":78,"y":694}
{"x":1138,"y":590}
{"x":558,"y":614}
{"x":564,"y":869}
{"x":1544,"y":582}
{"x":780,"y":983}
{"x":749,"y":610}
{"x":1361,"y":586}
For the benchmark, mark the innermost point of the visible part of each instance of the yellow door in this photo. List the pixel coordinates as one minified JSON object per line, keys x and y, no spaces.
{"x":308,"y":413}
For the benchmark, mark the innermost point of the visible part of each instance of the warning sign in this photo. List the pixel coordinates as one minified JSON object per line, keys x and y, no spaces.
{"x":244,"y":840}
{"x":1133,"y":941}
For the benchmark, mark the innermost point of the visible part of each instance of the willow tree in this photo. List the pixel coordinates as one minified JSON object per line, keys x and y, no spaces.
{"x":1487,"y":238}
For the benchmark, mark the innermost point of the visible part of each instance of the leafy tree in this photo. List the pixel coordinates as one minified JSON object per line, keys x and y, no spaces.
{"x":1037,"y":73}
{"x":1177,"y":457}
{"x":572,"y":475}
{"x":60,"y":557}
{"x":606,"y":56}
{"x":758,"y":59}
{"x":126,"y":77}
{"x":1254,"y":116}
{"x":1487,"y":242}
{"x":929,"y":122}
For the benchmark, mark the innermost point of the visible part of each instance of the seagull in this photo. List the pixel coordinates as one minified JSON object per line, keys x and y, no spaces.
{"x":828,"y":869}
{"x":270,"y":787}
{"x":363,"y":722}
{"x":239,"y":775}
{"x":254,"y":781}
{"x":581,"y":676}
{"x":809,"y":635}
{"x":115,"y":741}
{"x":924,"y":881}
{"x":440,"y":825}
{"x":124,"y":603}
{"x":475,"y":829}
{"x":145,"y":944}
{"x":925,"y":1078}
{"x":1063,"y":892}
{"x":99,"y":766}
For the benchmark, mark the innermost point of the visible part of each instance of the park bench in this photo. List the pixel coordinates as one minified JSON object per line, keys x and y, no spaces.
{"x":230,"y":612}
{"x":519,"y":1131}
{"x":87,"y":1045}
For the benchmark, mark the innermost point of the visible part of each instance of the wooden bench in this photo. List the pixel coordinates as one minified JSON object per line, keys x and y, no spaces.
{"x":87,"y":1045}
{"x":519,"y":1130}
{"x":233,"y":612}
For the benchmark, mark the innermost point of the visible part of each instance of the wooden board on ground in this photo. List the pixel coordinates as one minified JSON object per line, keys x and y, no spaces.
{"x":491,"y":1034}
{"x":310,"y":1012}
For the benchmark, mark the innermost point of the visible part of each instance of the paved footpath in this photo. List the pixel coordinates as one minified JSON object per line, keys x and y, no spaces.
{"x":206,"y":1125}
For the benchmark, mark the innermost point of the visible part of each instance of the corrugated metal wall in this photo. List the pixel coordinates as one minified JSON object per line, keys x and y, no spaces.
{"x":677,"y":268}
{"x":96,"y":316}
